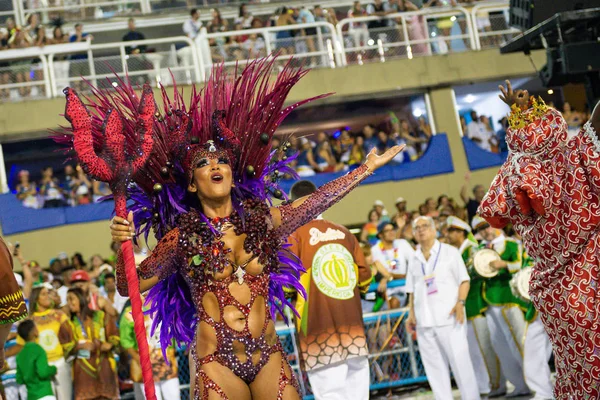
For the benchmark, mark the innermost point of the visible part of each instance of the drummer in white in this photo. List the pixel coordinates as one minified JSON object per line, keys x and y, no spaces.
{"x":439,"y":283}
{"x":490,"y":379}
{"x":394,"y":255}
{"x":504,"y":315}
{"x":537,"y":348}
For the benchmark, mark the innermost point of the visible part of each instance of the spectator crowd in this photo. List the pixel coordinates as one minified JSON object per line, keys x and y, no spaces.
{"x":338,"y":151}
{"x":84,"y":329}
{"x":49,"y":192}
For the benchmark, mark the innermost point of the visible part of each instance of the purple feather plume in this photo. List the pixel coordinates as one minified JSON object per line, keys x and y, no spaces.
{"x":173,"y":310}
{"x":288,"y":276}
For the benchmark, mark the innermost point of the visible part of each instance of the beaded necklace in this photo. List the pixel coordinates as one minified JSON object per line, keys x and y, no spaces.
{"x":221,"y":224}
{"x":205,"y":247}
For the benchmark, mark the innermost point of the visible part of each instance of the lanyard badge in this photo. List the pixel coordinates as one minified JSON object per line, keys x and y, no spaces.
{"x":430,"y":284}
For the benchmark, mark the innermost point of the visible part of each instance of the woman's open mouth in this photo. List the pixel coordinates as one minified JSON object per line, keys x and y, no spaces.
{"x":216,"y":178}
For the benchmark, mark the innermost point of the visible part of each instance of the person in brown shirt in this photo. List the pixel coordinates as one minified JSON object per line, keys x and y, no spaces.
{"x":12,"y":304}
{"x":331,"y":334}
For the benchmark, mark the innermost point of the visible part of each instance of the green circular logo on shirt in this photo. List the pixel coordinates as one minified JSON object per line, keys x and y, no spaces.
{"x":333,"y":271}
{"x":48,"y":340}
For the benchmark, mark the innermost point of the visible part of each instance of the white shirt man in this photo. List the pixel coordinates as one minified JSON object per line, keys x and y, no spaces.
{"x":478,"y":132}
{"x":192,"y":26}
{"x":439,"y":283}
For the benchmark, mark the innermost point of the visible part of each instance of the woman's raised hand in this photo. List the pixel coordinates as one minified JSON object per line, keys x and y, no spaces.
{"x":374,"y":161}
{"x":510,"y":97}
{"x":122,"y":229}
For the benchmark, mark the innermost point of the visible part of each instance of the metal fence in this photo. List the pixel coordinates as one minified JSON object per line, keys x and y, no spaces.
{"x":43,"y":72}
{"x":23,"y":75}
{"x":405,"y":35}
{"x":393,"y":356}
{"x":491,"y":24}
{"x":309,"y":44}
{"x":100,"y":61}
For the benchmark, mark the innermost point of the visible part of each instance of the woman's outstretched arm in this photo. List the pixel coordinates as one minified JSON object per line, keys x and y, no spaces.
{"x":289,"y":217}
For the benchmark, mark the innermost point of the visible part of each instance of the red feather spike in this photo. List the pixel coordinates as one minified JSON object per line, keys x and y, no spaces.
{"x":144,"y":128}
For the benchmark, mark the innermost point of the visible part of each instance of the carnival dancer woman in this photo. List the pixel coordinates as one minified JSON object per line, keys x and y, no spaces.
{"x":231,"y":300}
{"x":220,"y":263}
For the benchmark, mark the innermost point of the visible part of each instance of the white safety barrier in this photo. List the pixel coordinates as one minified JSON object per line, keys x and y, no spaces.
{"x":436,"y":30}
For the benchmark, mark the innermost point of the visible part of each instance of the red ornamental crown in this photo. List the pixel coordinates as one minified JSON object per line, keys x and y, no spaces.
{"x":536,"y":129}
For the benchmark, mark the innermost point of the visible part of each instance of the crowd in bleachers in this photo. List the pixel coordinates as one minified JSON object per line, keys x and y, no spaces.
{"x":360,"y":36}
{"x":339,"y":150}
{"x":50,"y":192}
{"x":297,"y":40}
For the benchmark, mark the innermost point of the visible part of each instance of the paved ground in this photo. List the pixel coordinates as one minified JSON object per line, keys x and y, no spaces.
{"x":422,"y":393}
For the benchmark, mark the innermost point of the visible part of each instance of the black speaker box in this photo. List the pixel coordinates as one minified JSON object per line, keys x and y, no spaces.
{"x":570,"y":63}
{"x":580,"y":58}
{"x":525,"y":14}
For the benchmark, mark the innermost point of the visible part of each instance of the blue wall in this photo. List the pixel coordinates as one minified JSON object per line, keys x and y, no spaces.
{"x":479,"y":158}
{"x":17,"y":219}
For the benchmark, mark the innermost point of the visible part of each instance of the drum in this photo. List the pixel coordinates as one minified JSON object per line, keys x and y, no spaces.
{"x":519,"y":284}
{"x":482,"y":260}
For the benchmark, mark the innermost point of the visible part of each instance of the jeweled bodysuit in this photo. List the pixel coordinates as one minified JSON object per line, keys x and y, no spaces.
{"x":234,"y":325}
{"x":548,"y":190}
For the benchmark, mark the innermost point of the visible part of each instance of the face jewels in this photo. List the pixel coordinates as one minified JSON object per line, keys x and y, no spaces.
{"x":211,"y":146}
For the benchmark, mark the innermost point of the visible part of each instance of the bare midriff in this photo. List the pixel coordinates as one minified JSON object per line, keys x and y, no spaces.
{"x":234,"y":324}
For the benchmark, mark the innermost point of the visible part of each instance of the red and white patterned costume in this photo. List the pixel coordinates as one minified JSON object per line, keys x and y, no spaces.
{"x":549,"y":189}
